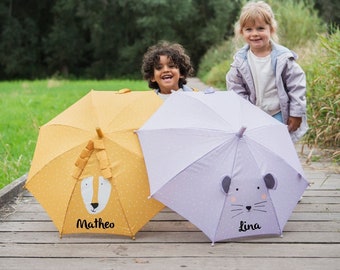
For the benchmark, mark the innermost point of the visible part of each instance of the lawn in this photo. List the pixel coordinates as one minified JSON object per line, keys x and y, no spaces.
{"x":26,"y":105}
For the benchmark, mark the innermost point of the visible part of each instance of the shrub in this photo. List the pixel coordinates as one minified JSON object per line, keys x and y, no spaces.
{"x":215,"y":64}
{"x":298,"y":22}
{"x":323,"y":95}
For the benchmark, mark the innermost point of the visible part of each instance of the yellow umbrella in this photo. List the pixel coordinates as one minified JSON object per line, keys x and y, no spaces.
{"x":88,"y":170}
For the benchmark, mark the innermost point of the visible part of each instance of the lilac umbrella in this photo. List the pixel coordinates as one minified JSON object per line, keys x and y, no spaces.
{"x":223,"y":164}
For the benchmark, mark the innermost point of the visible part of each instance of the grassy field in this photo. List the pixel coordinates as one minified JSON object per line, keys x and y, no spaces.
{"x":26,"y":105}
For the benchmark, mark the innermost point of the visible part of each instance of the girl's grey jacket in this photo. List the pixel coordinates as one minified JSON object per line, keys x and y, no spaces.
{"x":290,"y":81}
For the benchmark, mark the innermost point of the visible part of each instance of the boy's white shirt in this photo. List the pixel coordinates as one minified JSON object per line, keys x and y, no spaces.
{"x":267,"y":97}
{"x":165,"y":96}
{"x":184,"y":88}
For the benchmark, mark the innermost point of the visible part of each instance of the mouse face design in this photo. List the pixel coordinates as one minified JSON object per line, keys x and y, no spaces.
{"x":253,"y":196}
{"x":248,"y":203}
{"x":95,"y":193}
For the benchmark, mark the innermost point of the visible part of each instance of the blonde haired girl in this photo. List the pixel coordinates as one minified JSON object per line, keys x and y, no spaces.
{"x":265,"y":72}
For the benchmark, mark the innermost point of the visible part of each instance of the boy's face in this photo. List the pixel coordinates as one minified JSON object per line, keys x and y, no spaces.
{"x":167,"y":75}
{"x":257,"y":35}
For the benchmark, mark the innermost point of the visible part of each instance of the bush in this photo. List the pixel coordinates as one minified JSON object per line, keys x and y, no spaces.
{"x":323,"y":95}
{"x":298,"y":22}
{"x":216,"y":74}
{"x":215,"y":64}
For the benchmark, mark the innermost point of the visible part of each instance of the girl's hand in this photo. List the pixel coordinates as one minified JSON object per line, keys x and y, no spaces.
{"x":294,"y":123}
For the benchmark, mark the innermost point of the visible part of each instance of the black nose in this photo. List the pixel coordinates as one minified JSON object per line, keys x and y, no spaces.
{"x":248,"y":207}
{"x":94,"y":205}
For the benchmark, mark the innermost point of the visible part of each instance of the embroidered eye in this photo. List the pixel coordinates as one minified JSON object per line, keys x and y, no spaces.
{"x":236,"y":189}
{"x":258,"y":187}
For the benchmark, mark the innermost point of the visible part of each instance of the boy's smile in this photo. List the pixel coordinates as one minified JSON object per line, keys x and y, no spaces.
{"x":167,"y":77}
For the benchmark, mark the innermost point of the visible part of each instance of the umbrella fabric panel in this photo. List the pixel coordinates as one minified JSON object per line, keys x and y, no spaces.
{"x":136,"y":112}
{"x":55,"y":141}
{"x":130,"y":179}
{"x":226,"y":108}
{"x":108,"y":110}
{"x":160,"y":152}
{"x":196,"y":192}
{"x":290,"y":183}
{"x":238,"y":112}
{"x":53,"y":186}
{"x":272,"y":138}
{"x":185,"y":111}
{"x":82,"y":114}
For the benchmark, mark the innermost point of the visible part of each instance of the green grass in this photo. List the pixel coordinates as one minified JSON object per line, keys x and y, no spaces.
{"x":26,"y":105}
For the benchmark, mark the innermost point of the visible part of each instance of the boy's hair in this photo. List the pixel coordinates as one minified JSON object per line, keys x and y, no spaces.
{"x":257,"y":10}
{"x":176,"y":54}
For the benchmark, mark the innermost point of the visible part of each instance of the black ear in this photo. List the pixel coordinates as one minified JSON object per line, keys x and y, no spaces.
{"x":270,"y":181}
{"x":226,"y":183}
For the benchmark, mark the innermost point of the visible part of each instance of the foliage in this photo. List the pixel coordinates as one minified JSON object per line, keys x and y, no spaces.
{"x":21,"y":29}
{"x":298,"y":27}
{"x":26,"y":105}
{"x":329,"y":11}
{"x":103,"y":39}
{"x":323,"y":95}
{"x":65,"y":45}
{"x":214,"y":62}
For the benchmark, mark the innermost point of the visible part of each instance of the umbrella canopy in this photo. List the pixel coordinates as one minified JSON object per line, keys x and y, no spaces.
{"x":223,"y":164}
{"x":88,"y":170}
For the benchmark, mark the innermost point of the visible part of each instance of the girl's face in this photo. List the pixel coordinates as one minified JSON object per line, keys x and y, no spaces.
{"x":167,"y":75}
{"x":257,"y":35}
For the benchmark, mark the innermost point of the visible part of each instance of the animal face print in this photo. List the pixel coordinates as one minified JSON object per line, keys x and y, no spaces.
{"x":248,"y":204}
{"x":259,"y":191}
{"x":95,"y":193}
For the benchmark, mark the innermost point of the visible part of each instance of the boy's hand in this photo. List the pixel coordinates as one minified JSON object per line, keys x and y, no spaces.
{"x":294,"y":123}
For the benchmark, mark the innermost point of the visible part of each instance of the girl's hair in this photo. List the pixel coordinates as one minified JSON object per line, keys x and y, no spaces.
{"x":257,"y":10}
{"x":176,"y":54}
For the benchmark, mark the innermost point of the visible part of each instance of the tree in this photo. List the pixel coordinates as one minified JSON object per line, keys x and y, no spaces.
{"x":118,"y":32}
{"x":104,"y":38}
{"x":20,"y":33}
{"x":329,"y":11}
{"x":65,"y":46}
{"x":213,"y":23}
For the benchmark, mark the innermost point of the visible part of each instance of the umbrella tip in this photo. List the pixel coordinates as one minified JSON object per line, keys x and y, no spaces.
{"x":99,"y":133}
{"x":241,"y":131}
{"x":124,"y":90}
{"x":209,"y":90}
